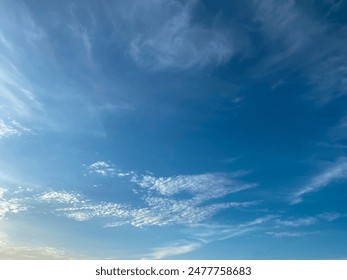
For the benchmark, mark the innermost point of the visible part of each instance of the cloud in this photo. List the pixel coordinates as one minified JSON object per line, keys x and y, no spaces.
{"x":288,"y":28}
{"x":16,"y":91}
{"x":165,"y":35}
{"x":311,"y":46}
{"x":337,"y":171}
{"x":299,"y":222}
{"x":60,"y":197}
{"x":287,"y":234}
{"x":201,"y":234}
{"x":157,"y":211}
{"x":12,"y":128}
{"x":165,"y":200}
{"x":9,"y":205}
{"x":107,"y":169}
{"x":182,"y":199}
{"x":309,"y":221}
{"x":103,"y":168}
{"x":339,"y":131}
{"x":178,"y":248}
{"x":19,"y":104}
{"x":200,"y":186}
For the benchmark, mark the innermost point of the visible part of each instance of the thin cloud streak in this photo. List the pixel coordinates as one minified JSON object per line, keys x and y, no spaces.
{"x":309,"y":221}
{"x":334,"y":173}
{"x":178,"y":248}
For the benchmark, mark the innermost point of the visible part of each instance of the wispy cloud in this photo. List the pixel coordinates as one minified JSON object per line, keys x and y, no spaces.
{"x":286,"y":234}
{"x":298,"y":222}
{"x":303,"y":43}
{"x":16,"y":95}
{"x":165,"y":35}
{"x":201,"y":234}
{"x":107,"y":169}
{"x":339,"y":131}
{"x":102,"y":168}
{"x":309,"y":221}
{"x":60,"y":197}
{"x":199,"y":186}
{"x":11,"y":128}
{"x":158,"y":211}
{"x":333,"y":173}
{"x":9,"y":205}
{"x":178,"y":248}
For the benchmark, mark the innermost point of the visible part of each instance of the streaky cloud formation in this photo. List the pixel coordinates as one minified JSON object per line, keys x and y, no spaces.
{"x":287,"y":234}
{"x":336,"y":172}
{"x":178,"y":248}
{"x":308,"y":221}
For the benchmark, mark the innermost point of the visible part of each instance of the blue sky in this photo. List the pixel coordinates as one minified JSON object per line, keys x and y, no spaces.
{"x":173,"y":129}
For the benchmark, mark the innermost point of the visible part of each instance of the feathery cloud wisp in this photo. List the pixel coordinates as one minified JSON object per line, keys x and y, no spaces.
{"x":335,"y":172}
{"x":175,"y":40}
{"x":178,"y":248}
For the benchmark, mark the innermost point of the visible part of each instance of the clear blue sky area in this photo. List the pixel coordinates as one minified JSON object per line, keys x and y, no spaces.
{"x":173,"y":129}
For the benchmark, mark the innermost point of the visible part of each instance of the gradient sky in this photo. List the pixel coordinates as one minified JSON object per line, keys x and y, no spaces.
{"x":168,"y":129}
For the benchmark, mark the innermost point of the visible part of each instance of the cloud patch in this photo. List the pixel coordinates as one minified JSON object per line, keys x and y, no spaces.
{"x":9,"y":205}
{"x":11,"y":128}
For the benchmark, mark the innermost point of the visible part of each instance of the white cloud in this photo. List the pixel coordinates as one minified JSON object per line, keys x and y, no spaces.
{"x":178,"y":248}
{"x":330,"y":217}
{"x":202,"y":187}
{"x":11,"y":128}
{"x":162,"y":196}
{"x":335,"y":172}
{"x":9,"y":205}
{"x":165,"y":35}
{"x":61,"y":197}
{"x":299,"y":222}
{"x":287,"y":234}
{"x":308,"y":221}
{"x":16,"y":95}
{"x":102,"y":168}
{"x":165,"y":211}
{"x":201,"y":234}
{"x":158,"y":211}
{"x":107,"y":169}
{"x":88,"y":210}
